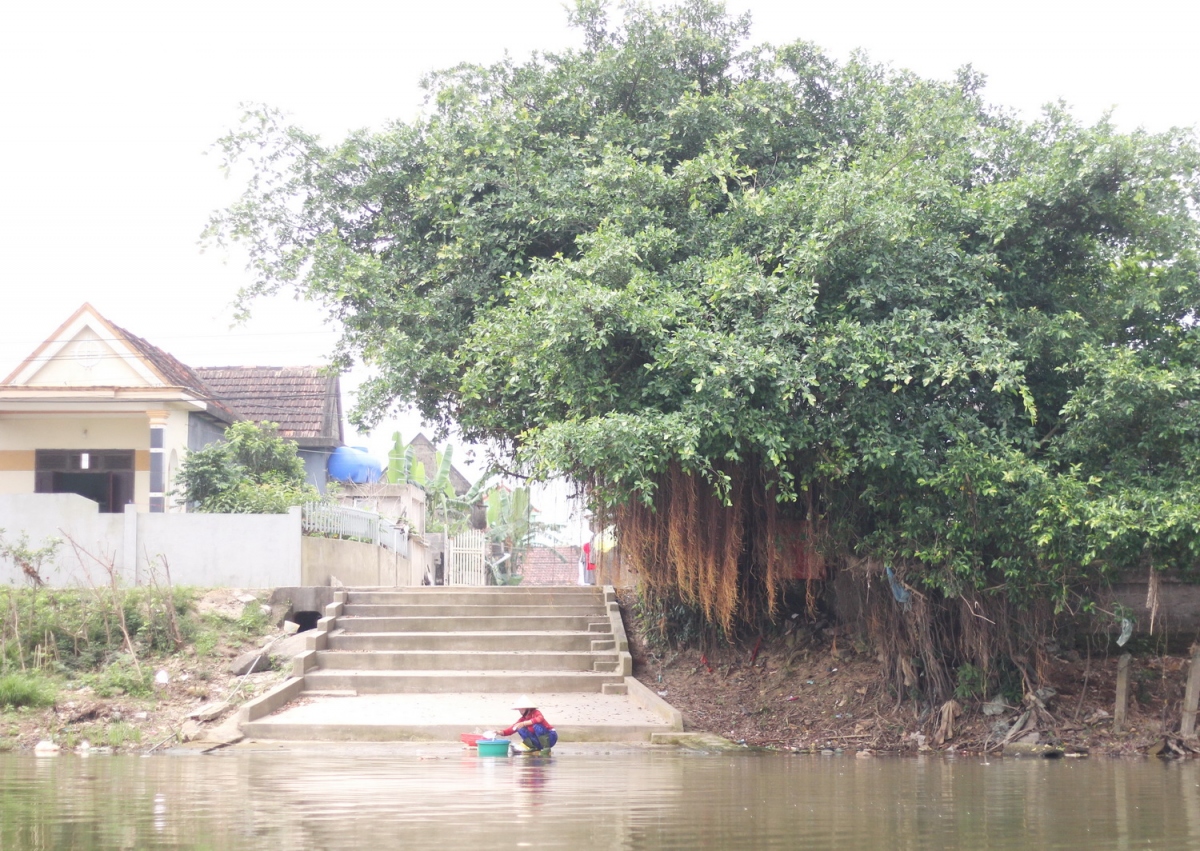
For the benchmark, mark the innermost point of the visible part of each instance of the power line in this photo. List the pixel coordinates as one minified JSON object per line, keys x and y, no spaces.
{"x":223,"y":336}
{"x":136,"y":356}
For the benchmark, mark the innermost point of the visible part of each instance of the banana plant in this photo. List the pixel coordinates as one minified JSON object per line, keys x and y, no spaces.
{"x":509,"y":515}
{"x":441,"y":480}
{"x":401,"y":462}
{"x":444,"y":503}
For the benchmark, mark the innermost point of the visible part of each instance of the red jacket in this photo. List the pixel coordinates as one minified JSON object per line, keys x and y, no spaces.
{"x":535,"y":718}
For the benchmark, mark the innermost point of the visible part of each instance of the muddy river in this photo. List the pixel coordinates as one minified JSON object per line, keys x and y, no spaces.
{"x":341,"y":797}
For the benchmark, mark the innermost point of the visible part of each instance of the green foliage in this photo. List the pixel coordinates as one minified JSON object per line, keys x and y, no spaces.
{"x":158,"y":617}
{"x":206,"y":642}
{"x":509,"y":516}
{"x":78,"y":629}
{"x":400,"y":461}
{"x":253,"y":471}
{"x":969,"y":340}
{"x":30,"y":560}
{"x":971,"y":682}
{"x":209,"y":631}
{"x":120,"y":734}
{"x":252,"y":622}
{"x":25,"y":689}
{"x":122,"y":676}
{"x":511,"y":525}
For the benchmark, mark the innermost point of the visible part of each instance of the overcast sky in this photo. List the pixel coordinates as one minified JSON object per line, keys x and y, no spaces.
{"x":108,"y":111}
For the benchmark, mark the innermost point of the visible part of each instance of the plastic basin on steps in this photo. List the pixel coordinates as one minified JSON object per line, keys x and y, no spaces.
{"x":492,"y":747}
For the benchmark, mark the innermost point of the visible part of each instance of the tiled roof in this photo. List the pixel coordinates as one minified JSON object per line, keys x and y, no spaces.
{"x":550,"y":566}
{"x":303,"y":400}
{"x":177,"y":373}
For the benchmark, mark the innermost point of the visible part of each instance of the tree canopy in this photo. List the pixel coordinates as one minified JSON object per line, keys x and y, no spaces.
{"x":917,"y":329}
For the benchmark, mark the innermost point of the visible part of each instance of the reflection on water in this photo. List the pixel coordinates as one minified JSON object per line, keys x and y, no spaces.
{"x":628,"y":800}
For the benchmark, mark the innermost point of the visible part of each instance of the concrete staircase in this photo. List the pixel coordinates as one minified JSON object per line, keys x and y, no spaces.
{"x":431,"y":640}
{"x":451,"y":655}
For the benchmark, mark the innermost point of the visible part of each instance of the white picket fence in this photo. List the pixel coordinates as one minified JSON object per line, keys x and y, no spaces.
{"x":337,"y":521}
{"x":465,"y":559}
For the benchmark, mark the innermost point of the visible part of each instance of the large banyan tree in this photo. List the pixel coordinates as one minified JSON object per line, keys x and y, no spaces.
{"x":784,"y":317}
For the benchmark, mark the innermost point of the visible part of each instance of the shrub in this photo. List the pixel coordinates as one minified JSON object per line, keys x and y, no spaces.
{"x":22,"y":689}
{"x":121,"y":734}
{"x":253,"y":471}
{"x":122,"y":677}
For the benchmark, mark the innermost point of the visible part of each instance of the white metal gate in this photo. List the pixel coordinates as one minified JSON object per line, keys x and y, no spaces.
{"x":465,"y":564}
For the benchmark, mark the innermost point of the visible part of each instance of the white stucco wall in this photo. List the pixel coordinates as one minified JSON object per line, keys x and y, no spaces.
{"x":175,"y":440}
{"x":17,"y":481}
{"x":94,"y":431}
{"x":90,"y":361}
{"x":208,"y":550}
{"x":21,"y":434}
{"x":221,"y":550}
{"x":66,"y":516}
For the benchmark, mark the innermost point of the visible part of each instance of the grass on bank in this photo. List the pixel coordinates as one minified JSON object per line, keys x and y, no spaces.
{"x":102,"y":634}
{"x":111,"y":640}
{"x":24,"y":689}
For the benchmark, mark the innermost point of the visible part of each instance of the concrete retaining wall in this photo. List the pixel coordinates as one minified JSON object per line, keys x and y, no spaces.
{"x":212,"y":550}
{"x":354,"y":563}
{"x":1178,"y":604}
{"x":220,"y":550}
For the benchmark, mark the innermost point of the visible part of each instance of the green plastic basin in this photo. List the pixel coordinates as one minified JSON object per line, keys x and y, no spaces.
{"x":492,"y":747}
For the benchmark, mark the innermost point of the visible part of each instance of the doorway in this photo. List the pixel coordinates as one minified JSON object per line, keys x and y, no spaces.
{"x":104,"y":476}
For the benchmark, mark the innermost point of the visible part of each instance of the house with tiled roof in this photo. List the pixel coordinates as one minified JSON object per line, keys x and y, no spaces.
{"x":98,"y":411}
{"x":305,"y":401}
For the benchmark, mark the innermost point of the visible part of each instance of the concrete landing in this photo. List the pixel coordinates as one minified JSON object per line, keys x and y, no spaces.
{"x":578,"y":717}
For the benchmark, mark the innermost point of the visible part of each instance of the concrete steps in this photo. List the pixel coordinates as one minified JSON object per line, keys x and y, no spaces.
{"x":566,"y":641}
{"x":477,"y":623}
{"x":467,"y":660}
{"x":439,"y":640}
{"x":365,"y":681}
{"x":465,"y":610}
{"x":431,"y":652}
{"x":488,"y":595}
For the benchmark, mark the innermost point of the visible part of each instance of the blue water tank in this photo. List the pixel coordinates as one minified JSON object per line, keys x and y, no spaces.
{"x":352,"y":464}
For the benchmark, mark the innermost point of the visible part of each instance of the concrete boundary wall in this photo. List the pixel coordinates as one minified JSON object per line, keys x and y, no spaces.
{"x":65,"y":516}
{"x":355,"y":564}
{"x":209,"y":550}
{"x":219,"y":550}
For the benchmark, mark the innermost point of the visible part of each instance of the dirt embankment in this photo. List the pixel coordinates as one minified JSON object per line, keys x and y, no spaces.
{"x":803,"y":691}
{"x":813,"y":692}
{"x":196,"y":678}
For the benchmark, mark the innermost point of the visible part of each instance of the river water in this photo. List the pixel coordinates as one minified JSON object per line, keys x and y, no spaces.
{"x":338,"y":798}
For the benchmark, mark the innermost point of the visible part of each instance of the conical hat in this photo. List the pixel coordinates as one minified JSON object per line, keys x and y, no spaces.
{"x":523,"y":702}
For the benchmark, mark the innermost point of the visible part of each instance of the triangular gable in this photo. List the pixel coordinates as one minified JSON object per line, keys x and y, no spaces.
{"x":88,"y":351}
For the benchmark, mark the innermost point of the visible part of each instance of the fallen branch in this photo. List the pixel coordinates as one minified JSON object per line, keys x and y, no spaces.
{"x":1087,"y":673}
{"x":163,"y":742}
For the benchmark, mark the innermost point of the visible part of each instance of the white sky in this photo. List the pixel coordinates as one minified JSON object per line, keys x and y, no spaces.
{"x":107,"y":110}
